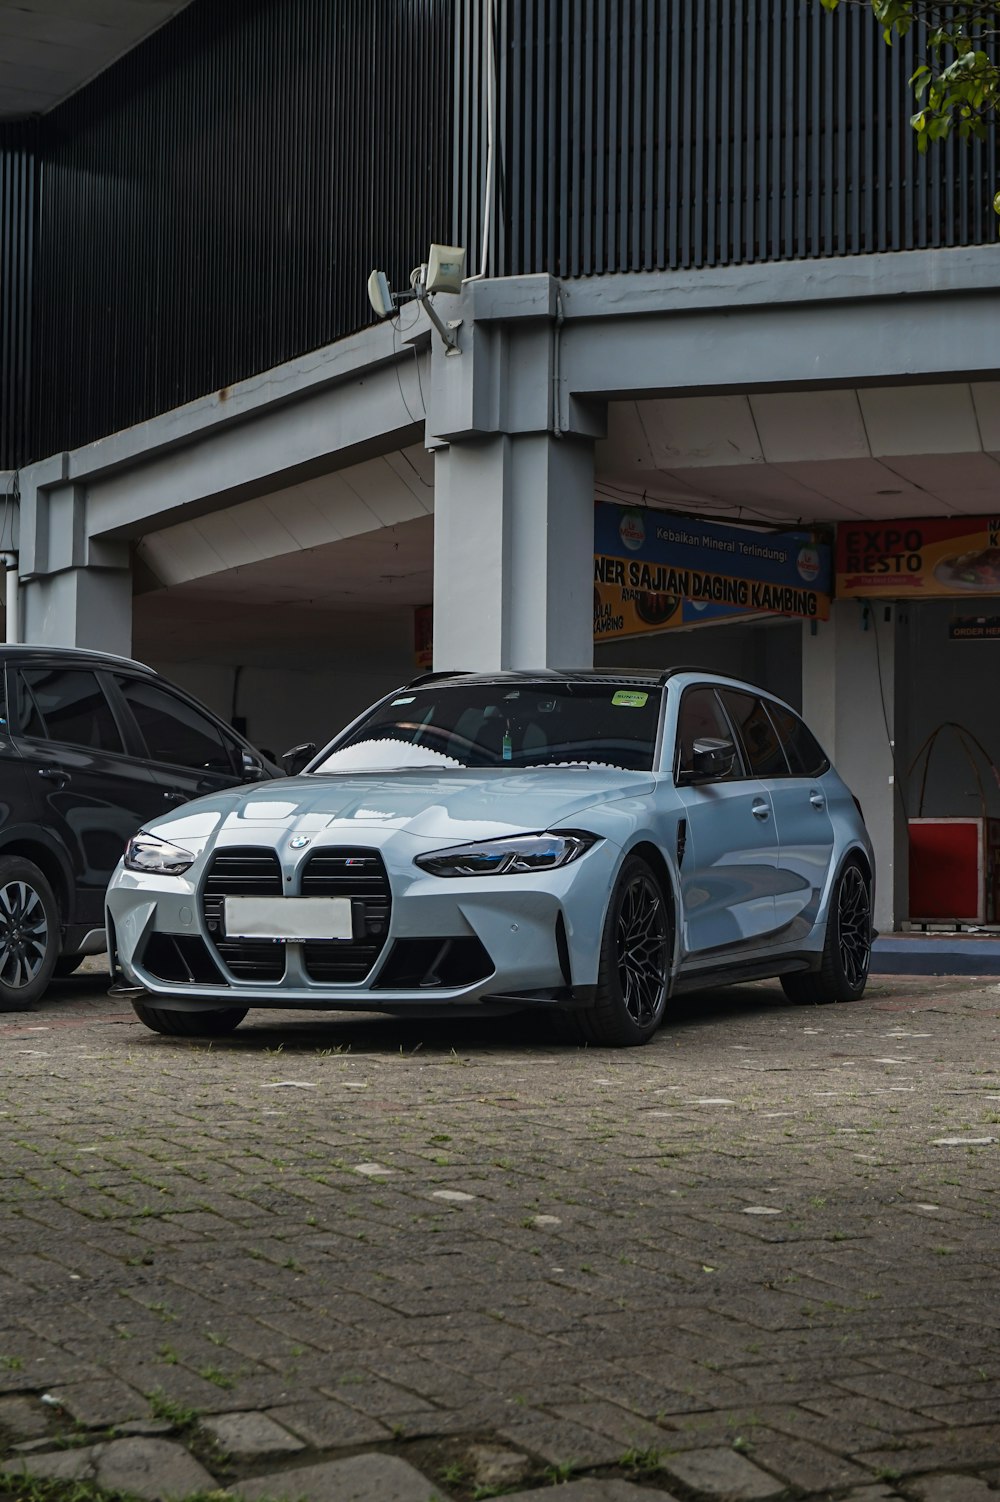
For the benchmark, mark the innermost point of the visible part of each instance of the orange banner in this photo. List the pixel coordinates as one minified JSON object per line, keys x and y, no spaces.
{"x":939,"y":558}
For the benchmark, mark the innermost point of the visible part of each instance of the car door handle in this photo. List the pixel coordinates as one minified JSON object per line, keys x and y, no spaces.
{"x":760,"y":809}
{"x":54,"y":774}
{"x":817,"y":800}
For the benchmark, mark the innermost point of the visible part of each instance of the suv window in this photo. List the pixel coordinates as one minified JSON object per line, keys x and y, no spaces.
{"x":759,"y":737}
{"x":66,"y":704}
{"x":805,"y":754}
{"x":701,"y":718}
{"x":173,"y":730}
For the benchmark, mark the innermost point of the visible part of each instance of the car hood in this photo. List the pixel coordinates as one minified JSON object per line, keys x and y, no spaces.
{"x":457,"y":805}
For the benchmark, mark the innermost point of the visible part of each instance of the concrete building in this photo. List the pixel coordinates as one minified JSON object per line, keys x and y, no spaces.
{"x":708,"y":278}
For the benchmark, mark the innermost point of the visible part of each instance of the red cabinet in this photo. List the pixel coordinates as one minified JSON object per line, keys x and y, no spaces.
{"x":954,"y":870}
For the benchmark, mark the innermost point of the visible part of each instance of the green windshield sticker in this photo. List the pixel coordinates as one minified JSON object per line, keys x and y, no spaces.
{"x":631,"y":698}
{"x":403,"y":701}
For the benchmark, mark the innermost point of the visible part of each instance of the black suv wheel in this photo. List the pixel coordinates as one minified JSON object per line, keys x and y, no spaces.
{"x":30,"y":937}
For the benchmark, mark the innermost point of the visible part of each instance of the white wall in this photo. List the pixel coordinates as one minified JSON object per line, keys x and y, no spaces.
{"x":849,"y":673}
{"x":305,"y":691}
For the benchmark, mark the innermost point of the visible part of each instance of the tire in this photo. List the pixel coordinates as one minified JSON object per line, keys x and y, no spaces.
{"x":67,"y":964}
{"x":843,"y":973}
{"x":633,"y":978}
{"x":214,"y":1022}
{"x":30,"y":934}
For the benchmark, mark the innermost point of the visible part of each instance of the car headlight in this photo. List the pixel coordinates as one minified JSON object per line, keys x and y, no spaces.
{"x":518,"y":856}
{"x":144,"y":852}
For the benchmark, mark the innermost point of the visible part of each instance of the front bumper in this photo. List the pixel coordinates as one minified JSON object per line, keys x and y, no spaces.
{"x":523,"y":940}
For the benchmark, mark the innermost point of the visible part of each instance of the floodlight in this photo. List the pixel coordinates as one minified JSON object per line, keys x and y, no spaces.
{"x":445,"y":268}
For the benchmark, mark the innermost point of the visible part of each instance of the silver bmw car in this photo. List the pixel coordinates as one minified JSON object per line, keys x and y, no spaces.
{"x":592,"y":842}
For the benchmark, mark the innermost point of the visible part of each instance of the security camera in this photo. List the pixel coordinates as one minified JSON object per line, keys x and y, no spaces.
{"x":445,"y":268}
{"x":380,"y":294}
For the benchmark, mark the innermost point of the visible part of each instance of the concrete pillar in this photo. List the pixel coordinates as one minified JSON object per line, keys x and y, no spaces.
{"x":514,"y":552}
{"x":76,"y":590}
{"x":80,"y":607}
{"x":850,"y":669}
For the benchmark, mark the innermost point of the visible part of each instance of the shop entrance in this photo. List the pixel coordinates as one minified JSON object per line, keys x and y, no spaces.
{"x":950,"y":665}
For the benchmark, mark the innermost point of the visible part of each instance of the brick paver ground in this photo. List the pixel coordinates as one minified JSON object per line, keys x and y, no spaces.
{"x":758,"y":1258}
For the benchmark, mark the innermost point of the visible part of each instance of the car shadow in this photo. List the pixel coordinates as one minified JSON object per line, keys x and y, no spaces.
{"x":528,"y":1031}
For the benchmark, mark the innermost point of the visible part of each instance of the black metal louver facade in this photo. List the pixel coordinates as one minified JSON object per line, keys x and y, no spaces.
{"x":18,"y":201}
{"x":645,"y":135}
{"x":212,"y":204}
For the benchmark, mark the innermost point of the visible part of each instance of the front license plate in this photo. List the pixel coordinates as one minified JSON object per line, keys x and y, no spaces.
{"x":288,"y":918}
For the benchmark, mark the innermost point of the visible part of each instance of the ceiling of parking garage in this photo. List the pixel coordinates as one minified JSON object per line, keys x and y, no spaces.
{"x":302,"y":597}
{"x":809,"y":456}
{"x":51,"y":48}
{"x":306,"y":563}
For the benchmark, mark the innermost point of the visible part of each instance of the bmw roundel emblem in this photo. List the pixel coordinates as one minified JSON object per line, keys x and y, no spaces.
{"x":299,"y":841}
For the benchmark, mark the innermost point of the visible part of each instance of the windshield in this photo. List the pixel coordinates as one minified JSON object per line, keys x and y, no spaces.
{"x":555,"y":724}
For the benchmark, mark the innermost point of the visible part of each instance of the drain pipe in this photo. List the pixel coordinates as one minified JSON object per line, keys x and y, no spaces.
{"x":10,"y":564}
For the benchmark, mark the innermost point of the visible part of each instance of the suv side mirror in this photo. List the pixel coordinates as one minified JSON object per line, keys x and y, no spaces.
{"x":294,"y":760}
{"x":710,"y":760}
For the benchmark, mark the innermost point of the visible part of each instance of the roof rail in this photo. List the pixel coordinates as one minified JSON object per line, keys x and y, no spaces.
{"x":40,"y":648}
{"x":442,"y":673}
{"x":685,"y":667}
{"x":612,"y":671}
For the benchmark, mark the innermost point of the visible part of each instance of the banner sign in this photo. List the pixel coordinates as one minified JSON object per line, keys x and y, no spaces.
{"x":921,"y":559}
{"x":654,"y":570}
{"x":974,"y":628}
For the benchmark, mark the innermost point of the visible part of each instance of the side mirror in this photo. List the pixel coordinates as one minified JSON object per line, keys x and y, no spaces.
{"x":710,"y":760}
{"x":253,"y":769}
{"x":294,"y":760}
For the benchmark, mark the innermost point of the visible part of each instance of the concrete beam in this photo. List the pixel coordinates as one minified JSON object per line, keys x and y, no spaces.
{"x":349,"y":402}
{"x":781,"y":348}
{"x":770,"y":285}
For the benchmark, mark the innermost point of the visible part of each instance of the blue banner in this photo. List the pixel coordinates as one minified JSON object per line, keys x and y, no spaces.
{"x":654,"y":571}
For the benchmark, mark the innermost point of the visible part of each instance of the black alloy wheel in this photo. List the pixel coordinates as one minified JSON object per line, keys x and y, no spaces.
{"x":640,"y":941}
{"x":854,"y":927}
{"x":847,"y":949}
{"x":636,"y":952}
{"x":30,"y":937}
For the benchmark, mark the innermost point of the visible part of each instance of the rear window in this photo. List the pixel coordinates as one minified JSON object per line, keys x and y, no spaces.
{"x":505,"y":725}
{"x":66,"y":704}
{"x":759,"y":736}
{"x":806,"y":756}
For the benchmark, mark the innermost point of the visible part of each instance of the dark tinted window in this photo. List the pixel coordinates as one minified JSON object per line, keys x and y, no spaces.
{"x":700,"y":721}
{"x":514,"y":724}
{"x":66,"y":704}
{"x":174,"y":731}
{"x":804,"y":752}
{"x":759,"y":737}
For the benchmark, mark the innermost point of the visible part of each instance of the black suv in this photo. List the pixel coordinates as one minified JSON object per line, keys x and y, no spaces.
{"x":91,"y":746}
